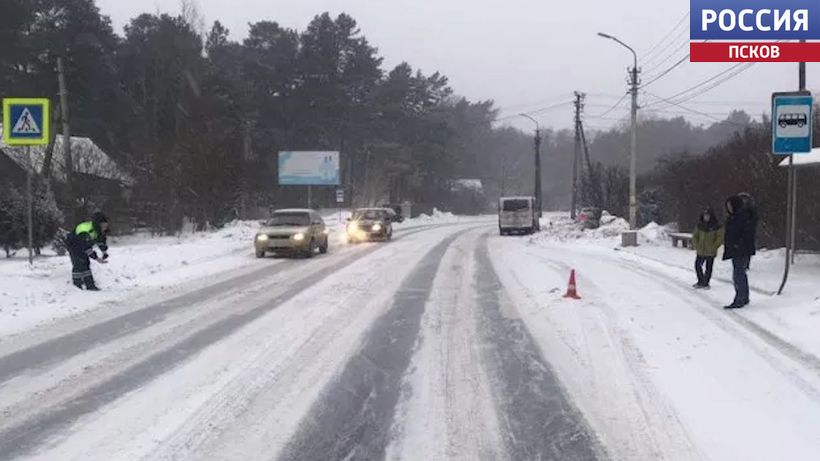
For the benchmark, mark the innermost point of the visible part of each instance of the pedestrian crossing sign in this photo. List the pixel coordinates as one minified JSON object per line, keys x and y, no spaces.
{"x":26,"y":121}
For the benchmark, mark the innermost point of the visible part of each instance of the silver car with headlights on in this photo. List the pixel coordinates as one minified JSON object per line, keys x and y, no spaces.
{"x":292,"y":232}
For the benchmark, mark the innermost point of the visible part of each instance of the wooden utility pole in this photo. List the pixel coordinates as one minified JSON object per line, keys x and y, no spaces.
{"x":67,"y":158}
{"x":579,"y":106}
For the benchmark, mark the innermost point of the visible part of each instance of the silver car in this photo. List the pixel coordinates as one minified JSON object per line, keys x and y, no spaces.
{"x":292,"y":232}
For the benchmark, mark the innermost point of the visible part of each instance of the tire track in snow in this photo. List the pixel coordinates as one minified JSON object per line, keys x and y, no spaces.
{"x":24,"y":436}
{"x":447,"y":410}
{"x":540,"y":421}
{"x":63,"y":347}
{"x":352,"y":420}
{"x":634,"y":394}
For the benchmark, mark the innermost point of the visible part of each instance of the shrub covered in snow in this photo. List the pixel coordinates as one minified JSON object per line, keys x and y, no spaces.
{"x":14,"y":218}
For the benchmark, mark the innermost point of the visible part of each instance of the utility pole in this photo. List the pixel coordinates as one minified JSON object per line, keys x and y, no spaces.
{"x":791,"y":200}
{"x":802,"y":81}
{"x":579,"y":107}
{"x":634,"y":84}
{"x":537,"y":163}
{"x":633,"y":150}
{"x":69,"y":163}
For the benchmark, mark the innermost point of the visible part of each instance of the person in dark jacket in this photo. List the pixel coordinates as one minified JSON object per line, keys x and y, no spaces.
{"x":707,"y":239}
{"x":740,"y":236}
{"x":80,"y":244}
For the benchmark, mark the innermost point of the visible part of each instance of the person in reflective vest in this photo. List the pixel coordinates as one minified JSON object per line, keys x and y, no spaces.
{"x":80,"y":244}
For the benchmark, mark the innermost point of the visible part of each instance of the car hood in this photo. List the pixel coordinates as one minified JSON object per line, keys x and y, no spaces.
{"x":369,"y":222}
{"x":283,"y":230}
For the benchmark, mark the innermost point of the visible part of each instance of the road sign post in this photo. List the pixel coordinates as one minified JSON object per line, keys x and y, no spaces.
{"x":26,"y":122}
{"x":792,"y":134}
{"x":340,"y":199}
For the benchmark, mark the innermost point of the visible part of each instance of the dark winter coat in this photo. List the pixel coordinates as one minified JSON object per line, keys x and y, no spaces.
{"x":85,"y":236}
{"x":708,"y":235}
{"x":741,"y":228}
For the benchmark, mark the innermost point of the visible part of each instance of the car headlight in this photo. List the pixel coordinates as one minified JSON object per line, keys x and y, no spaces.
{"x":377,"y":227}
{"x":262,"y":237}
{"x":353,"y":227}
{"x":299,"y":237}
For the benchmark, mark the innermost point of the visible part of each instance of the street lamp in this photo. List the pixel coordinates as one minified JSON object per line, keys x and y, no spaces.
{"x":537,"y":163}
{"x":633,"y":77}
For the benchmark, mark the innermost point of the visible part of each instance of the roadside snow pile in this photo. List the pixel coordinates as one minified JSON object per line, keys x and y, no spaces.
{"x":563,"y":228}
{"x":436,"y":216}
{"x":32,"y":296}
{"x":654,"y":233}
{"x":614,"y":228}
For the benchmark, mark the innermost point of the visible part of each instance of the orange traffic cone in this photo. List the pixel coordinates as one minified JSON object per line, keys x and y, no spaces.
{"x":572,"y":291}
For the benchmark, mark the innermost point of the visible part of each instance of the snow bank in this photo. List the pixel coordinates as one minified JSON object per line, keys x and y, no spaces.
{"x":436,"y":216}
{"x":793,"y":317}
{"x":44,"y":293}
{"x":560,"y":227}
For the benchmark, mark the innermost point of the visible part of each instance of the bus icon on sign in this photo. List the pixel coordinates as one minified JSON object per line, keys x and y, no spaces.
{"x":800,"y":120}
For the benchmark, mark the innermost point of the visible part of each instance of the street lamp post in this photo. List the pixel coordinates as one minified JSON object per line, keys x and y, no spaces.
{"x":537,"y":163}
{"x":633,"y":77}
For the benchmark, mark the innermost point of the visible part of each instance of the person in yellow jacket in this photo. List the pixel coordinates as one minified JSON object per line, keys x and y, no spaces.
{"x":707,"y":238}
{"x":80,"y":244}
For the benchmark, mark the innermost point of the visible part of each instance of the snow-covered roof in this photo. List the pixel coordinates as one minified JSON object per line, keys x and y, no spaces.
{"x":517,"y":198}
{"x":294,"y":210}
{"x":812,"y":158}
{"x":468,"y":184}
{"x":87,"y":158}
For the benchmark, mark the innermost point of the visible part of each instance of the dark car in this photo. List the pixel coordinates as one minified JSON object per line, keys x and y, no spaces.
{"x":371,"y":224}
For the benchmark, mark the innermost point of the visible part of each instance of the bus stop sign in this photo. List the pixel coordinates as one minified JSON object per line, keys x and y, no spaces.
{"x":792,"y":123}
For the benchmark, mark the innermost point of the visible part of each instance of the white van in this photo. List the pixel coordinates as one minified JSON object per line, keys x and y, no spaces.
{"x":517,"y":215}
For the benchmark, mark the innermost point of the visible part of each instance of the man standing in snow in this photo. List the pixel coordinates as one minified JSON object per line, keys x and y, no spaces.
{"x":740,"y":235}
{"x":80,"y":244}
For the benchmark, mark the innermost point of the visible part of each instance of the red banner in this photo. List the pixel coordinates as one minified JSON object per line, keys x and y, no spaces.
{"x":754,"y":52}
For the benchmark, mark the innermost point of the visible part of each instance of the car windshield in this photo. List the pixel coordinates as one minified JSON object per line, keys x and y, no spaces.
{"x":370,"y":214}
{"x":516,"y":205}
{"x":289,"y":219}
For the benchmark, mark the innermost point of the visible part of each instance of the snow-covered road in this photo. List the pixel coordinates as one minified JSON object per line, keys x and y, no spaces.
{"x":449,"y":343}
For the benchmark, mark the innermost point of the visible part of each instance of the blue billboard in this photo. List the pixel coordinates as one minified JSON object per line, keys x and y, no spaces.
{"x":309,"y":168}
{"x":742,"y":20}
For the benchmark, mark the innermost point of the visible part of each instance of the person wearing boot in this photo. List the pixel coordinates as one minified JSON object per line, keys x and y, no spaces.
{"x":80,"y":244}
{"x":739,"y":246}
{"x":707,"y":239}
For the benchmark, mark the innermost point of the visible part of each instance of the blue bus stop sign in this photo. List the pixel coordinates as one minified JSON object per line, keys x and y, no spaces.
{"x":26,"y":121}
{"x":792,"y":123}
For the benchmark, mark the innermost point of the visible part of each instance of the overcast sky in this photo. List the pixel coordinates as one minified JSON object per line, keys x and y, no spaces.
{"x":523,"y":54}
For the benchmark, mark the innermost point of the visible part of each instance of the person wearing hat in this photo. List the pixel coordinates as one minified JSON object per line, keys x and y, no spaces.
{"x":739,"y":246}
{"x":80,"y":244}
{"x":707,"y":239}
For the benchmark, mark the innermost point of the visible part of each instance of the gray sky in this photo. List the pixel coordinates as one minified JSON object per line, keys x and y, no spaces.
{"x":523,"y":54}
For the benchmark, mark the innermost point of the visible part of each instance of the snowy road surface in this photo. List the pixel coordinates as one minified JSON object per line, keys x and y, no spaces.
{"x":449,"y":343}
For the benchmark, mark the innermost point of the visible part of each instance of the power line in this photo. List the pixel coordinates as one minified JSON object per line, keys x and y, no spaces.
{"x":666,"y":72}
{"x":611,"y":109}
{"x":668,"y":57}
{"x":708,"y":81}
{"x":658,"y":44}
{"x":534,"y":112}
{"x":693,"y":111}
{"x":535,"y":103}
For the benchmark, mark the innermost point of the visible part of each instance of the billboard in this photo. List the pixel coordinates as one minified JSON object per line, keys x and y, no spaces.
{"x":309,"y":168}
